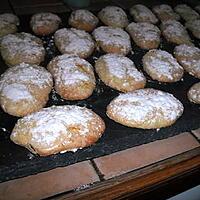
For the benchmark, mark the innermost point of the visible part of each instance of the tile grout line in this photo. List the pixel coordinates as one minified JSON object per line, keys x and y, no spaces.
{"x":195,"y":137}
{"x":100,"y":175}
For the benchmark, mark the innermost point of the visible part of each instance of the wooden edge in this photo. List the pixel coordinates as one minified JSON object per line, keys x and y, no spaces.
{"x":140,"y":179}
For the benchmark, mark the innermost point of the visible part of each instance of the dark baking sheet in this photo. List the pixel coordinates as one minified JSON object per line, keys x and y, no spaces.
{"x":16,"y":161}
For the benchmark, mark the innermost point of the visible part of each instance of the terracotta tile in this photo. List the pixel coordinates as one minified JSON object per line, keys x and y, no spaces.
{"x":140,"y":156}
{"x":196,"y":133}
{"x":49,"y":183}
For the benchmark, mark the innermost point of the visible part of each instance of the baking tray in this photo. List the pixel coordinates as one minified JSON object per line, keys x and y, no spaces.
{"x":16,"y":161}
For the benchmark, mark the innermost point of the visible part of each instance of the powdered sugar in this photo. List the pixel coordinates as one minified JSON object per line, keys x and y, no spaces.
{"x":73,"y":41}
{"x":122,"y":67}
{"x":144,"y":31}
{"x":112,"y":36}
{"x":186,"y":50}
{"x":147,"y":104}
{"x":9,"y":18}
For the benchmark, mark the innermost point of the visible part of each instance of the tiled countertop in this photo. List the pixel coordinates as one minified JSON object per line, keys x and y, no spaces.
{"x":95,"y":178}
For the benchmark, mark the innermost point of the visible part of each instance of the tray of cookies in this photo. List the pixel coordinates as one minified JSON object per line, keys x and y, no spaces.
{"x":79,"y":85}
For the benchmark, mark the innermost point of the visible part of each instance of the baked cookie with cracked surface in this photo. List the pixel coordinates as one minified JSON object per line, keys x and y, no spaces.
{"x":22,"y":47}
{"x":74,"y":41}
{"x":141,"y":13}
{"x":24,"y":89}
{"x":175,"y":32}
{"x":165,"y":12}
{"x":189,"y":58}
{"x":186,"y":12}
{"x":145,"y":108}
{"x":44,"y":23}
{"x":58,"y":129}
{"x":73,"y":76}
{"x":8,"y":23}
{"x":119,"y":72}
{"x":194,"y":27}
{"x":113,"y":16}
{"x":112,"y":40}
{"x":83,"y":19}
{"x":162,"y":66}
{"x":145,"y":35}
{"x":194,"y":93}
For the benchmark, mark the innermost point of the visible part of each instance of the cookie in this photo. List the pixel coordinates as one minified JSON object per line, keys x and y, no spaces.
{"x":44,"y":23}
{"x":186,"y":12}
{"x":24,"y":89}
{"x":194,"y":93}
{"x":175,"y":32}
{"x":83,"y":19}
{"x":145,"y":108}
{"x":194,"y":27}
{"x":141,"y":13}
{"x":165,"y":12}
{"x":189,"y":58}
{"x":119,"y":72}
{"x":74,"y":41}
{"x":113,"y":16}
{"x":22,"y":47}
{"x":112,"y":40}
{"x":73,"y":77}
{"x":145,"y":35}
{"x":58,"y":129}
{"x":162,"y":66}
{"x":8,"y":24}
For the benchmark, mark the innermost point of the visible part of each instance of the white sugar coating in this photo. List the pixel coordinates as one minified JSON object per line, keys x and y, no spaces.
{"x":142,"y":14}
{"x":68,"y":70}
{"x":144,"y":30}
{"x":174,"y":28}
{"x":112,"y":36}
{"x":50,"y":124}
{"x":44,"y":19}
{"x":186,"y":12}
{"x":121,"y":67}
{"x":165,"y":10}
{"x":163,"y":63}
{"x":85,"y":16}
{"x":16,"y":92}
{"x":194,"y":27}
{"x":194,"y":93}
{"x":27,"y":75}
{"x":22,"y":43}
{"x":113,"y":15}
{"x":144,"y":103}
{"x":74,"y":40}
{"x":188,"y":51}
{"x":10,"y":18}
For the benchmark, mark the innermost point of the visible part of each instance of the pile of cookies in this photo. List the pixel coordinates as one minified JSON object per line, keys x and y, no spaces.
{"x":26,"y":84}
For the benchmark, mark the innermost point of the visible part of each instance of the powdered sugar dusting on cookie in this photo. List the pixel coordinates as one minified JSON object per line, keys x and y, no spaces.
{"x":146,"y":104}
{"x":186,"y":50}
{"x":9,"y":18}
{"x":122,"y":67}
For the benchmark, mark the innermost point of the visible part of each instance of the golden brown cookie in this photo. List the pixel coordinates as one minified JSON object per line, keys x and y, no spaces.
{"x":165,"y":12}
{"x":83,"y":19}
{"x":58,"y":129}
{"x":119,"y":72}
{"x":145,"y":108}
{"x":22,"y":47}
{"x":189,"y":58}
{"x":113,"y":16}
{"x":162,"y":66}
{"x":73,"y":76}
{"x":175,"y":32}
{"x":74,"y":41}
{"x":194,"y":93}
{"x":194,"y":27}
{"x":24,"y":89}
{"x":8,"y":23}
{"x":145,"y":35}
{"x":186,"y":12}
{"x":112,"y":40}
{"x":141,"y":13}
{"x":44,"y":23}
